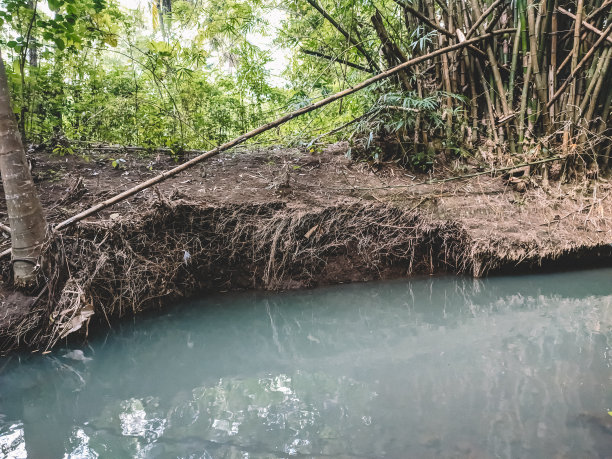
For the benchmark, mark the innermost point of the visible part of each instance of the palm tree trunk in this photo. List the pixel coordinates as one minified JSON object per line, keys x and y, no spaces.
{"x":25,"y":213}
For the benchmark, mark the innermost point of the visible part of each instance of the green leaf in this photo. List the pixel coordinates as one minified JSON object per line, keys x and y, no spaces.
{"x":59,"y":43}
{"x":11,"y":44}
{"x":54,"y":5}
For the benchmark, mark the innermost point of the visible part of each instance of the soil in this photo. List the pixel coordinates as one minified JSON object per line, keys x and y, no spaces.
{"x":291,"y":219}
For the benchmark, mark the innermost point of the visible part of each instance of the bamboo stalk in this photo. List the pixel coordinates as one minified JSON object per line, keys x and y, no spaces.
{"x":513,"y":65}
{"x":581,"y":64}
{"x":552,"y":74}
{"x":575,"y":50}
{"x":494,"y":67}
{"x":523,"y":108}
{"x":600,"y":80}
{"x":340,"y":29}
{"x":600,"y":65}
{"x":481,"y":19}
{"x":490,"y":108}
{"x":585,"y":24}
{"x":548,"y":6}
{"x":540,"y":82}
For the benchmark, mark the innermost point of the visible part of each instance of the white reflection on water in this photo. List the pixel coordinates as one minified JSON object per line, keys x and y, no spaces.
{"x":79,"y":441}
{"x":12,"y":443}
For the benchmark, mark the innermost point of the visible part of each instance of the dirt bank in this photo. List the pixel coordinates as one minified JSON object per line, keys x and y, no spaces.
{"x":282,"y":219}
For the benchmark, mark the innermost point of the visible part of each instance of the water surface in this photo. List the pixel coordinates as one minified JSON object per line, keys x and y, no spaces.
{"x":443,"y":367}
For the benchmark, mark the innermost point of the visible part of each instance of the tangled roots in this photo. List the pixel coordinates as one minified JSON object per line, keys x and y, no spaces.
{"x":127,"y":265}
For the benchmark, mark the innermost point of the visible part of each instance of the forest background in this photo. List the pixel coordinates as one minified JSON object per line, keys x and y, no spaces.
{"x":191,"y":74}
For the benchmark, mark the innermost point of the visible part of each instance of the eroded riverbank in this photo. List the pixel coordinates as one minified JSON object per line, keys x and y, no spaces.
{"x":284,"y":219}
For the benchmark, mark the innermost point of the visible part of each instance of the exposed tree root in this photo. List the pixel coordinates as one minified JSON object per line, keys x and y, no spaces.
{"x":127,"y":266}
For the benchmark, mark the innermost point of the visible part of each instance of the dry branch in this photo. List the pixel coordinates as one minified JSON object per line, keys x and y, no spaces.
{"x":584,"y":24}
{"x":581,"y":64}
{"x":243,"y":138}
{"x":338,"y":60}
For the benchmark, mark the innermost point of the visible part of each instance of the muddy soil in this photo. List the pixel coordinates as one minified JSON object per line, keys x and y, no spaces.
{"x":487,"y":224}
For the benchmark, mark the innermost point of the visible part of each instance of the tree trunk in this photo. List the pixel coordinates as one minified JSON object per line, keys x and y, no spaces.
{"x":25,"y":213}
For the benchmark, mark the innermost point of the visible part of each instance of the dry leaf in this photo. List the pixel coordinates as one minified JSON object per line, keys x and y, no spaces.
{"x":78,"y":320}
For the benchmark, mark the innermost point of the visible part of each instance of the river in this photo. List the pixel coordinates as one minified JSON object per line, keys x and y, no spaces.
{"x":506,"y":367}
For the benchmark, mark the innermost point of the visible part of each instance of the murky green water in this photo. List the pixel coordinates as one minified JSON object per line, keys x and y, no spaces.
{"x":501,"y":368}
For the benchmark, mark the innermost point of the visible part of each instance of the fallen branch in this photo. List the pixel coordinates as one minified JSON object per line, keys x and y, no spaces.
{"x":5,"y":228}
{"x":243,"y":138}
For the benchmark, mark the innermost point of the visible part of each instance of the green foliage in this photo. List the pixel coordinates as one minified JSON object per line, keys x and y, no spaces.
{"x":101,"y":74}
{"x":63,"y":150}
{"x":199,"y":76}
{"x":118,"y":163}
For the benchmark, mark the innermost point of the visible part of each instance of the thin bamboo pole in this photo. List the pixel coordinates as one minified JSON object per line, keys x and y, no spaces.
{"x":243,"y":138}
{"x":585,"y":24}
{"x":581,"y":64}
{"x":575,"y":50}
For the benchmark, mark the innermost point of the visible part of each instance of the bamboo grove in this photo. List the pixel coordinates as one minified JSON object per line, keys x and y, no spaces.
{"x":544,"y":86}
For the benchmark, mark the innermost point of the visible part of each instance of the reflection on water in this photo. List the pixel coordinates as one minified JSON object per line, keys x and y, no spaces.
{"x":500,"y":368}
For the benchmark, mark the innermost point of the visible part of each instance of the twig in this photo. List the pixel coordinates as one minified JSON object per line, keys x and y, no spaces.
{"x":460,"y":177}
{"x":557,"y":220}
